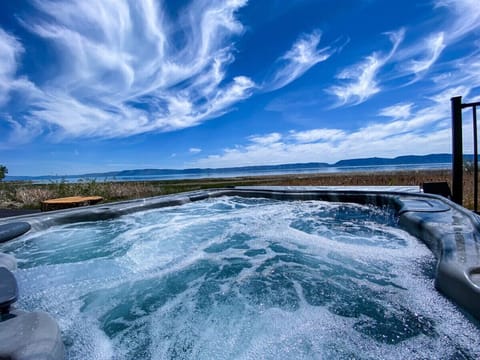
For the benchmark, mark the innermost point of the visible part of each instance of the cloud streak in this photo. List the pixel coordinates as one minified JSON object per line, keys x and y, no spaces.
{"x":399,"y":111}
{"x":303,"y":55}
{"x":10,"y":51}
{"x":316,"y":135}
{"x":359,"y":81}
{"x":107,"y":86}
{"x":429,"y":51}
{"x":465,"y":17}
{"x":364,"y":79}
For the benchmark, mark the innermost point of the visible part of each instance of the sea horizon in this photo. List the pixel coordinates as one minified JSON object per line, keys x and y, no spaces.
{"x":228,"y":173}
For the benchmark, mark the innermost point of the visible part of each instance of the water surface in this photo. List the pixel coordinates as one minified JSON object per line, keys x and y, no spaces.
{"x":242,"y":278}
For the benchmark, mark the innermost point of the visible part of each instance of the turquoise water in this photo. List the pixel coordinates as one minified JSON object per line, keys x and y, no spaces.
{"x":242,"y":278}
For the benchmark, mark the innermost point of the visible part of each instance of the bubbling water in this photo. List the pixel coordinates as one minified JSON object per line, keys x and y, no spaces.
{"x":242,"y":278}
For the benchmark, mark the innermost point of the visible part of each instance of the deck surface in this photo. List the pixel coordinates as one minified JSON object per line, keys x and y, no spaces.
{"x":71,"y":201}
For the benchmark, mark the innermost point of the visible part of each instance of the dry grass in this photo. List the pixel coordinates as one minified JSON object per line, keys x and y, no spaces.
{"x":25,"y":195}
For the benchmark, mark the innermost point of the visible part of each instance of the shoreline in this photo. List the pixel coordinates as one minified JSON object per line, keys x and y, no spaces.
{"x":24,"y":195}
{"x":348,"y":166}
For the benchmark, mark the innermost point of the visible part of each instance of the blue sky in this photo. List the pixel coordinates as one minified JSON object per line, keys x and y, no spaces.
{"x":105,"y":85}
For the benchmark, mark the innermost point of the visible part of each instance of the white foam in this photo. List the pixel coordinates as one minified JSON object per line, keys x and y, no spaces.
{"x":229,"y":278}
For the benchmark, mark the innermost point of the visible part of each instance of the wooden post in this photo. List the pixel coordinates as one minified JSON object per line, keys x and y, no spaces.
{"x":475,"y":160}
{"x":457,"y":150}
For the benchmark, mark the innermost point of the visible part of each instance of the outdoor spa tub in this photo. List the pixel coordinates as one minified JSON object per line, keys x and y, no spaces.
{"x":245,"y":273}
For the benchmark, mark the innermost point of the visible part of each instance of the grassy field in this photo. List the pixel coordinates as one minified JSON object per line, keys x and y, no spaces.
{"x":26,"y":195}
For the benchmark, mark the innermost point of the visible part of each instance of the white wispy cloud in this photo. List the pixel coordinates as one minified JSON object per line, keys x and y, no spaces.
{"x":265,"y":139}
{"x":446,"y":94}
{"x":194,"y":150}
{"x":418,"y":58}
{"x":465,"y":17}
{"x":10,"y":51}
{"x":302,"y":56}
{"x":462,"y":79}
{"x":359,"y":81}
{"x":398,"y":111}
{"x":106,"y":85}
{"x":425,"y":54}
{"x":415,"y":59}
{"x":315,"y":135}
{"x":19,"y":133}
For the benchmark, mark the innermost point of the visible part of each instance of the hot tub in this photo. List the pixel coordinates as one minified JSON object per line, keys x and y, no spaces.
{"x":257,"y":272}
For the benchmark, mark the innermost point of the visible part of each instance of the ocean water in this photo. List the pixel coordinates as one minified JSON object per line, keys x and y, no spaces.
{"x":236,"y":278}
{"x":221,"y":173}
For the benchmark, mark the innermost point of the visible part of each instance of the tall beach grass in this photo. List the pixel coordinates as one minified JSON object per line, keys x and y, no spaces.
{"x":28,"y":195}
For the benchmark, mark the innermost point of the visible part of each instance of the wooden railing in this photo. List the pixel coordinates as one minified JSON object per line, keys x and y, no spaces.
{"x":457,"y":151}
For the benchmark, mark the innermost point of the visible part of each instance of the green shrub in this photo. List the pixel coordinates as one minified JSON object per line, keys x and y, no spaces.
{"x":3,"y":172}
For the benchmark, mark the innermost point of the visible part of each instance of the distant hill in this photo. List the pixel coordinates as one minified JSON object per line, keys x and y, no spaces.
{"x":400,"y":160}
{"x":375,"y":161}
